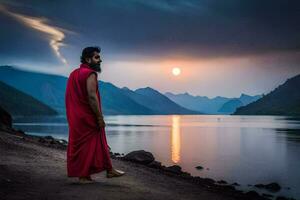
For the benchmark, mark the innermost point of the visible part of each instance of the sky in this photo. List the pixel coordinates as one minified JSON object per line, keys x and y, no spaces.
{"x":223,"y":48}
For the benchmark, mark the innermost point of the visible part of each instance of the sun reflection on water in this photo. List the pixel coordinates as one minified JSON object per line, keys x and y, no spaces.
{"x":175,"y":138}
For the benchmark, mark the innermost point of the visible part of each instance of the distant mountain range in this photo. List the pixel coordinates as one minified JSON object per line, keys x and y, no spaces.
{"x":156,"y":101}
{"x":45,"y":94}
{"x":284,"y":100}
{"x":18,"y":103}
{"x":50,"y":89}
{"x":217,"y":105}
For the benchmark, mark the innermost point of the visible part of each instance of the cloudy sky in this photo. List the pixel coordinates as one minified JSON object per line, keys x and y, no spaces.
{"x":223,"y":48}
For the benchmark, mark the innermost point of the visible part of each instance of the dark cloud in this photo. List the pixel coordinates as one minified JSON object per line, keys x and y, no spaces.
{"x":197,"y":28}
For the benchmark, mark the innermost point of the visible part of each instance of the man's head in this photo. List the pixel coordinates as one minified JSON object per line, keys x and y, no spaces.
{"x":90,"y":56}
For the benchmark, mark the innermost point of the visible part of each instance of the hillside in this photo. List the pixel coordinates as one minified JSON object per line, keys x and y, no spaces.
{"x":230,"y":106}
{"x":20,"y":104}
{"x":284,"y":100}
{"x":156,"y":101}
{"x":115,"y":102}
{"x":49,"y":89}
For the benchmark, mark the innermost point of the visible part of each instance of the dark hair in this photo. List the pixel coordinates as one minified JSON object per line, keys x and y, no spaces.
{"x":88,"y":52}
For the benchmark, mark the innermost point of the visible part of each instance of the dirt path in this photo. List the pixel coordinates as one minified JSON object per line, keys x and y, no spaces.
{"x":29,"y":170}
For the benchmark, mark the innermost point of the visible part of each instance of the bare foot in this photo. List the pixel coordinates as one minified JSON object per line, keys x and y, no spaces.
{"x":114,"y":173}
{"x":90,"y":178}
{"x":86,"y":180}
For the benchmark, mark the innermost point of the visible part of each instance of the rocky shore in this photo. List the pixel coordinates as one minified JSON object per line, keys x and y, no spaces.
{"x":34,"y":167}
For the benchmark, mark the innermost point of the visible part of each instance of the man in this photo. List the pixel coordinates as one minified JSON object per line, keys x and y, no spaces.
{"x":88,"y":151}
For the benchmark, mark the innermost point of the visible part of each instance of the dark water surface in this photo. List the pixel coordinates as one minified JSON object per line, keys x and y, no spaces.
{"x":243,"y":149}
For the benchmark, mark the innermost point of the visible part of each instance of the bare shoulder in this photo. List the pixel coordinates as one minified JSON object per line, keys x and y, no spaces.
{"x":92,"y":75}
{"x":91,"y":83}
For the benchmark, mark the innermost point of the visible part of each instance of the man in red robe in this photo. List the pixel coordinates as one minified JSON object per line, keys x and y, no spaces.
{"x":88,"y":151}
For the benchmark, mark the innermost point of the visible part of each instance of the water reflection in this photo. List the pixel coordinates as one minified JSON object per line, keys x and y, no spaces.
{"x":290,"y":135}
{"x":175,"y":138}
{"x":243,"y":149}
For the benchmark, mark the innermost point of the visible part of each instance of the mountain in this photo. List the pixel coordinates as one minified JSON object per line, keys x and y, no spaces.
{"x":154,"y":100}
{"x":283,"y":100}
{"x":114,"y":101}
{"x":217,"y":105}
{"x":47,"y":88}
{"x":230,"y":106}
{"x":50,"y":89}
{"x":199,"y":103}
{"x":18,"y":103}
{"x":246,"y":99}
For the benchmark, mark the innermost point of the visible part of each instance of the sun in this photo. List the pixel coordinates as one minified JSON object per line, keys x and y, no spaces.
{"x":176,"y":71}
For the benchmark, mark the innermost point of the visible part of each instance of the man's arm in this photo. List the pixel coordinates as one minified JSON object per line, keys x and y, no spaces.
{"x":91,"y":85}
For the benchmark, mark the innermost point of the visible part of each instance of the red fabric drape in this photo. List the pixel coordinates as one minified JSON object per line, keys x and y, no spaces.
{"x":87,"y":151}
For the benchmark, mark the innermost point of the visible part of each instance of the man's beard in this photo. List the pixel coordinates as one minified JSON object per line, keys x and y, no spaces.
{"x":96,"y":67}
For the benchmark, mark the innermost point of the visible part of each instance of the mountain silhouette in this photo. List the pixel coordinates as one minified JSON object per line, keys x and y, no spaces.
{"x":18,"y":103}
{"x":216,"y":105}
{"x":283,"y":100}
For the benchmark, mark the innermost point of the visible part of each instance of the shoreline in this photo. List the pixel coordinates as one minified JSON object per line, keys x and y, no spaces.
{"x":220,"y":188}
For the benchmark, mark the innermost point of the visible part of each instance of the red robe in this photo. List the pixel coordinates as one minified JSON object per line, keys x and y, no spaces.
{"x":87,"y":151}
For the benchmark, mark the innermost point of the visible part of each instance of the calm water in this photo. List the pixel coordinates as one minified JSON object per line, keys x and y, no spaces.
{"x":243,"y":149}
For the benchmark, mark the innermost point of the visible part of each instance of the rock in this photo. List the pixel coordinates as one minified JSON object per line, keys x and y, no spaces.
{"x":209,"y":180}
{"x":259,"y":185}
{"x":186,"y":175}
{"x":235,"y":184}
{"x":267,"y":195}
{"x":140,"y":156}
{"x":5,"y":119}
{"x":52,"y":142}
{"x":199,"y":167}
{"x":64,"y":142}
{"x":176,"y":169}
{"x":155,"y":164}
{"x":273,"y":187}
{"x":283,"y":198}
{"x":42,"y":140}
{"x":222,"y":182}
{"x":112,"y":155}
{"x":228,"y":187}
{"x":48,"y":137}
{"x":20,"y":132}
{"x":204,"y":181}
{"x":252,"y":195}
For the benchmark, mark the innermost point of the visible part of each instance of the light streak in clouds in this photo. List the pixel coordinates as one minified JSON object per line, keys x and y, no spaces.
{"x":55,"y":34}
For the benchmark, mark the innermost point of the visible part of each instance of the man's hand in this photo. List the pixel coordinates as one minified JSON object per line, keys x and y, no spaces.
{"x":100,"y":122}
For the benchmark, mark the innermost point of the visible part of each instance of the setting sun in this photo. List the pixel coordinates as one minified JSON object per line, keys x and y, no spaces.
{"x":176,"y":71}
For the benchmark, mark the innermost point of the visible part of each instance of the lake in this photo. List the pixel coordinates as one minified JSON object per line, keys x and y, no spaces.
{"x":242,"y":149}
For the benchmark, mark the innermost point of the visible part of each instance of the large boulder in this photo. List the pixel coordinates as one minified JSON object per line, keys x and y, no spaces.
{"x":5,"y":119}
{"x":140,"y":156}
{"x":176,"y":169}
{"x":155,"y":164}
